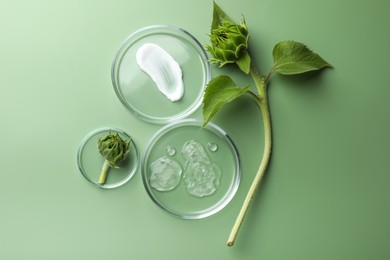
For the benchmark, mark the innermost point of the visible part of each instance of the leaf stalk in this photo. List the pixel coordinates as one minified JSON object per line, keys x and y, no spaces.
{"x":261,"y":85}
{"x":103,"y":173}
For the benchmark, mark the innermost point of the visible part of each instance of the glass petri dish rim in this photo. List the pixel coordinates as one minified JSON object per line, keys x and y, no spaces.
{"x":82,"y":170}
{"x":124,"y":46}
{"x":228,"y":196}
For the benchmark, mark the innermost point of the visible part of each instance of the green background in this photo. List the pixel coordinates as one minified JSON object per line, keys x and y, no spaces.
{"x":326,"y":194}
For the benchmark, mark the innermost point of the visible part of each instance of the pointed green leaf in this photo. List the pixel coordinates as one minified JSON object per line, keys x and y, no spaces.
{"x":295,"y":58}
{"x":244,"y":63}
{"x":219,"y":91}
{"x":218,"y":16}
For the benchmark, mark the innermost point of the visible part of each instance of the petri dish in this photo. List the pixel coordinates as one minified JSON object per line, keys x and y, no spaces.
{"x":169,"y":142}
{"x":137,"y":91}
{"x":90,"y":161}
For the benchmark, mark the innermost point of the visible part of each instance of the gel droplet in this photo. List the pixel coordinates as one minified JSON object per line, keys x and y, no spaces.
{"x":213,"y":147}
{"x":170,"y":151}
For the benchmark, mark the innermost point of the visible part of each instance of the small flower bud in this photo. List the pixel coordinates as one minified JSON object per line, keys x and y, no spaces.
{"x":113,"y":148}
{"x":229,"y":41}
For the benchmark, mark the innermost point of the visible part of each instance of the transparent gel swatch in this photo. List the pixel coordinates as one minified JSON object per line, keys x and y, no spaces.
{"x":201,"y":175}
{"x":165,"y":174}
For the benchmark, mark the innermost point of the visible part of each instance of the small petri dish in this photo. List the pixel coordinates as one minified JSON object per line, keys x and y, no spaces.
{"x":90,"y":161}
{"x":170,"y":143}
{"x":137,"y":91}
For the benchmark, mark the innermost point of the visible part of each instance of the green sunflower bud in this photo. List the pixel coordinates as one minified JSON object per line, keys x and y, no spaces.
{"x":114,"y":149}
{"x":229,"y":41}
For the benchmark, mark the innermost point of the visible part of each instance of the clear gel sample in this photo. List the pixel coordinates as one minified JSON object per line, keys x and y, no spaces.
{"x":165,"y":174}
{"x":201,"y":175}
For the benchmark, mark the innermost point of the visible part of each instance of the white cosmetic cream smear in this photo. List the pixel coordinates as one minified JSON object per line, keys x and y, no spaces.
{"x":162,"y":69}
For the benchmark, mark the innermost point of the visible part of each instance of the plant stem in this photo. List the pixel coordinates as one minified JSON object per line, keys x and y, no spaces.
{"x":261,"y":85}
{"x":103,"y":173}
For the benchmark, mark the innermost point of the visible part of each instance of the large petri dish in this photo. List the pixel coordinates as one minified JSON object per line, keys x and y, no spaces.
{"x":137,"y":91}
{"x":90,"y":161}
{"x":169,"y":142}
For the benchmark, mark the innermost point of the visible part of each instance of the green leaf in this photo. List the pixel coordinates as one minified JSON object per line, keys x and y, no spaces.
{"x":218,"y":17}
{"x":244,"y":63}
{"x":292,"y":57}
{"x":219,"y":91}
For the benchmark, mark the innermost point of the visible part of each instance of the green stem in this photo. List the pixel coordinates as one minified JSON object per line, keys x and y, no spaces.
{"x":261,"y":85}
{"x":103,"y":173}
